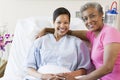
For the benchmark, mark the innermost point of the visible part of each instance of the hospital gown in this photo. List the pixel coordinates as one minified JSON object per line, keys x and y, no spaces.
{"x":69,"y":52}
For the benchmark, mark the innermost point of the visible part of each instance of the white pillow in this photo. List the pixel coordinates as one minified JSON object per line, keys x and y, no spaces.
{"x":77,"y":24}
{"x":37,"y":24}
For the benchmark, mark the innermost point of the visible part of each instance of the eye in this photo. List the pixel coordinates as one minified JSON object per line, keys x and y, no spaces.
{"x":92,"y":16}
{"x":84,"y":19}
{"x":66,"y":22}
{"x":58,"y":22}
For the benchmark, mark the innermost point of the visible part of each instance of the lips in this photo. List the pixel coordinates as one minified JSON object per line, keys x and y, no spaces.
{"x":90,"y":26}
{"x":62,"y":29}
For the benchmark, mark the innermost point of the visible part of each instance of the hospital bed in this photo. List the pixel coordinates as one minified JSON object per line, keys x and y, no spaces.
{"x":24,"y":35}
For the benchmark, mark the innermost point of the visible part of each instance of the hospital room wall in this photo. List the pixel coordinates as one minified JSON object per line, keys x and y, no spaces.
{"x":13,"y":10}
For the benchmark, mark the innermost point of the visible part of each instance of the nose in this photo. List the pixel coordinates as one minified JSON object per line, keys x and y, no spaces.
{"x":62,"y":25}
{"x":89,"y":20}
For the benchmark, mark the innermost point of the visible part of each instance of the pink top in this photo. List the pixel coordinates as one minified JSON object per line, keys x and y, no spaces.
{"x":107,"y":35}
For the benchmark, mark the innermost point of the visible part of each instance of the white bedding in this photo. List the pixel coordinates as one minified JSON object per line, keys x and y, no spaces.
{"x":47,"y":69}
{"x":52,"y":69}
{"x":24,"y":35}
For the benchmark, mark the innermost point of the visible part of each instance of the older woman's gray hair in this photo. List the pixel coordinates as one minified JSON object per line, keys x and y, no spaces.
{"x":91,"y":5}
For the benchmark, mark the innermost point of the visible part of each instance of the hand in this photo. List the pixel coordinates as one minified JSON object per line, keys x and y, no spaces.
{"x":48,"y":76}
{"x":66,"y":76}
{"x":83,"y":77}
{"x":78,"y":77}
{"x":58,"y":78}
{"x":41,"y":33}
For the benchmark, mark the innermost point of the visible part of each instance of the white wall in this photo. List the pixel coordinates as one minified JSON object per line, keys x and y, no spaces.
{"x":12,"y":10}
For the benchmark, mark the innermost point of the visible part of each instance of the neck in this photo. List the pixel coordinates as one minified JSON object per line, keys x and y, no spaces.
{"x":99,"y":30}
{"x":57,"y":37}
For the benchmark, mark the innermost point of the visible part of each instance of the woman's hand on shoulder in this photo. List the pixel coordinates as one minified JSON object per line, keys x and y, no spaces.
{"x":41,"y":33}
{"x":44,"y":31}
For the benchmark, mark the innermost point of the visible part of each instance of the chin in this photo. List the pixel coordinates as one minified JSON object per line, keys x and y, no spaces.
{"x":91,"y":29}
{"x":62,"y":34}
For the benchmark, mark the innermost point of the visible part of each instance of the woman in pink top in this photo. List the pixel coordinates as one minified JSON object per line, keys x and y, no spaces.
{"x":105,"y":41}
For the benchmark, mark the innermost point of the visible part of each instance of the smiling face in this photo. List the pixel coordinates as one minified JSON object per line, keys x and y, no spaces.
{"x":92,"y":19}
{"x":61,"y":25}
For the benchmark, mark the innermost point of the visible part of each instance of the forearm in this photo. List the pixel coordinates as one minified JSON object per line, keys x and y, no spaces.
{"x":44,"y":32}
{"x":98,"y":73}
{"x":80,"y":33}
{"x":111,"y":52}
{"x":73,"y":74}
{"x":49,"y":30}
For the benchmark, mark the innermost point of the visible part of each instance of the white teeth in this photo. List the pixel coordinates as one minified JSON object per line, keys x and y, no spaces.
{"x":62,"y":29}
{"x":90,"y":26}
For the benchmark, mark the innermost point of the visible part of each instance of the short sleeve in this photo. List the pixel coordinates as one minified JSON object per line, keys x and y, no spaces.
{"x":33,"y":58}
{"x":84,"y":56}
{"x":111,"y":35}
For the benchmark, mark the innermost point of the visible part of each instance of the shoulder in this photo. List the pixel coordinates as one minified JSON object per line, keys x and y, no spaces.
{"x":108,"y":28}
{"x":110,"y":31}
{"x":40,"y":39}
{"x":45,"y":36}
{"x":109,"y":35}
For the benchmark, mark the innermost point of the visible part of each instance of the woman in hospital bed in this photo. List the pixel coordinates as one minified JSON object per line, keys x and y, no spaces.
{"x":58,"y":56}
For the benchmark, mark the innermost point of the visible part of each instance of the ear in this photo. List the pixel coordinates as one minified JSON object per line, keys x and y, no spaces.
{"x":53,"y":22}
{"x":101,"y":15}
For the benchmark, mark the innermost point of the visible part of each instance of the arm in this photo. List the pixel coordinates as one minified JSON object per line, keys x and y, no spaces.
{"x":33,"y":61}
{"x":78,"y":33}
{"x":47,"y":30}
{"x":44,"y":31}
{"x":110,"y":55}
